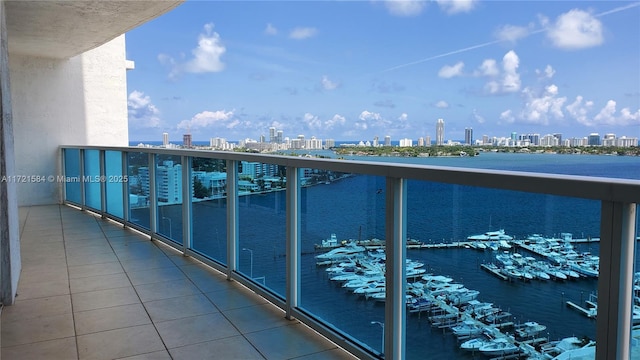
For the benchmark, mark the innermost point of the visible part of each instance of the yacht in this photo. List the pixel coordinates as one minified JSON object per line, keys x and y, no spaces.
{"x":341,"y":253}
{"x":499,"y":347}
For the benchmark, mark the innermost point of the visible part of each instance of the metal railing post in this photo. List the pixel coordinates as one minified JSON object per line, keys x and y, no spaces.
{"x":103,"y":183}
{"x":615,"y":283}
{"x":125,"y":188}
{"x":187,"y":229}
{"x":83,"y":199}
{"x":293,"y":240}
{"x":153,"y":196}
{"x":232,"y":217}
{"x":395,"y":276}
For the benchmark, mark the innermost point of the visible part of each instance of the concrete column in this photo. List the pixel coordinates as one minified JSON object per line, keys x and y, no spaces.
{"x":9,"y":236}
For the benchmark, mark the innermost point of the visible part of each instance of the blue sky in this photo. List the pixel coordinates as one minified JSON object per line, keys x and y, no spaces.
{"x":352,"y":70}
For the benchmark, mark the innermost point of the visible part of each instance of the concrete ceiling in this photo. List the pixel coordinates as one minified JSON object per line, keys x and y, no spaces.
{"x":63,"y":29}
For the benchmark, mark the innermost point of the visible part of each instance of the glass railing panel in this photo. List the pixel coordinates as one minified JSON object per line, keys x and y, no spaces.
{"x":209,"y":208}
{"x":72,"y":175}
{"x":262,"y":222}
{"x":341,"y":214}
{"x":92,"y":179}
{"x":169,"y":196}
{"x":115,"y":180}
{"x":139,"y":193}
{"x":512,"y":260}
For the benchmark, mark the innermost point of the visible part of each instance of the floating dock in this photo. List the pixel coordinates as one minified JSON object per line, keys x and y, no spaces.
{"x":494,"y":271}
{"x":590,"y":313}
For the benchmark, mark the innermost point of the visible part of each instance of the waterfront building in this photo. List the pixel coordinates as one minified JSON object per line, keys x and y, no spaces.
{"x":279,"y":138}
{"x":624,"y":141}
{"x":427,"y":140}
{"x":609,"y":140}
{"x":485,"y":140}
{"x":593,"y":139}
{"x":468,"y":136}
{"x":186,"y":140}
{"x":387,"y":140}
{"x":329,"y":143}
{"x":420,"y":141}
{"x":549,"y":140}
{"x":406,"y":142}
{"x":215,"y":182}
{"x":440,"y":132}
{"x":165,"y":139}
{"x":313,"y":144}
{"x":376,"y":142}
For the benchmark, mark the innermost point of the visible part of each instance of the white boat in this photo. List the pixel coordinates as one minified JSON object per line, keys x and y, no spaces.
{"x":586,"y":268}
{"x":341,"y":253}
{"x":504,"y":258}
{"x":491,"y":236}
{"x":474,"y":344}
{"x":462,"y":296}
{"x":467,"y":328}
{"x":371,"y":288}
{"x":362,"y":281}
{"x":529,"y":329}
{"x":331,"y":242}
{"x":498,"y":347}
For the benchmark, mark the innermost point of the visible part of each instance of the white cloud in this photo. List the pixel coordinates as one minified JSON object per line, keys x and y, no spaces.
{"x":511,"y":33}
{"x":507,"y":115}
{"x":477,"y":117}
{"x":301,"y":33}
{"x":207,"y":119}
{"x":405,"y":7}
{"x":576,"y":29}
{"x":312,"y":121}
{"x":369,"y":119}
{"x":548,"y":72}
{"x":336,"y":121}
{"x":608,"y":116}
{"x":541,"y":109}
{"x":451,"y":71}
{"x":328,"y":84}
{"x":270,"y":30}
{"x":403,"y":117}
{"x":206,"y":57}
{"x":511,"y":78}
{"x":442,"y":104}
{"x":456,"y":6}
{"x":579,"y":110}
{"x":142,"y":113}
{"x":489,"y":67}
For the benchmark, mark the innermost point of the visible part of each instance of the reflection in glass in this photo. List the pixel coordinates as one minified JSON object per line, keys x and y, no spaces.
{"x":209,"y":208}
{"x":138,"y":178}
{"x":115,"y":181}
{"x":169,"y":196}
{"x":72,"y":174}
{"x":92,"y":179}
{"x":262,"y":221}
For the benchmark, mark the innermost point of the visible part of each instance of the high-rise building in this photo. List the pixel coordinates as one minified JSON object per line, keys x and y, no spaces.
{"x":186,"y":140}
{"x":420,"y":141}
{"x":279,"y":138}
{"x":272,"y":135}
{"x":594,"y":139}
{"x":468,"y":136}
{"x":427,"y":140}
{"x":376,"y":142}
{"x":387,"y":140}
{"x":165,"y":139}
{"x":440,"y":132}
{"x":329,"y":143}
{"x":406,"y":142}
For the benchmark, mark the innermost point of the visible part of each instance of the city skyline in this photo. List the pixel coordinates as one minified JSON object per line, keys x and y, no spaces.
{"x":233,"y":70}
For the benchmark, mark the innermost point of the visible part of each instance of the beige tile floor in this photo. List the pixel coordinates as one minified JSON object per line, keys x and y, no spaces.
{"x":90,"y":289}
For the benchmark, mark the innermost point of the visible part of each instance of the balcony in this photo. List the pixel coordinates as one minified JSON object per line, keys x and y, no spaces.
{"x":91,"y":289}
{"x":205,"y":250}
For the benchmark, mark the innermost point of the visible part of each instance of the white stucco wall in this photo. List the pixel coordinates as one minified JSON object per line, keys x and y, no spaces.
{"x":77,"y":101}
